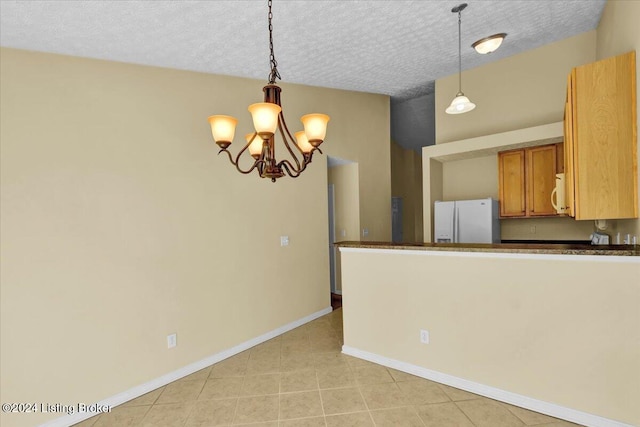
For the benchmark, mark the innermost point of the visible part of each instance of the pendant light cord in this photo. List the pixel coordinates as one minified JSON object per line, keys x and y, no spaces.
{"x":274,"y":74}
{"x":459,"y":51}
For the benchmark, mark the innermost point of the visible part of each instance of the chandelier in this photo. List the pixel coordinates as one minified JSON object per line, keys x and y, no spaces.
{"x":267,"y":120}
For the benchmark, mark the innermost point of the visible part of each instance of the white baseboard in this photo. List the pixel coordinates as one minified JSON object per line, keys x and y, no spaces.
{"x":141,"y":389}
{"x":547,"y":408}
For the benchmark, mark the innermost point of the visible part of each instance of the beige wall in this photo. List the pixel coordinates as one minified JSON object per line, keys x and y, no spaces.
{"x":121,"y":225}
{"x":537,"y":77}
{"x":346,"y":206}
{"x":406,"y":182}
{"x":618,"y":33}
{"x":470,"y":178}
{"x":562,"y":331}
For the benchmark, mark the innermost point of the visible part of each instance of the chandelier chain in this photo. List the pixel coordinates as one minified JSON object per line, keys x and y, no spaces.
{"x":274,"y":74}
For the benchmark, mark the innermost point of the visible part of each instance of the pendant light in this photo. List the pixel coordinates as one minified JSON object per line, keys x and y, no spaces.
{"x":460,"y":103}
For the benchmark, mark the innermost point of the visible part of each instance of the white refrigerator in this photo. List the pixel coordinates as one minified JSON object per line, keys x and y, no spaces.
{"x":467,"y":221}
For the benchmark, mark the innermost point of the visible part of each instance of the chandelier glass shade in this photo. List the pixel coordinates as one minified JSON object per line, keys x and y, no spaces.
{"x":268,"y":120}
{"x":460,"y":103}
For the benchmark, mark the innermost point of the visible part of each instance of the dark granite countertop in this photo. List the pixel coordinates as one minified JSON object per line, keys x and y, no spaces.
{"x":522,"y":248}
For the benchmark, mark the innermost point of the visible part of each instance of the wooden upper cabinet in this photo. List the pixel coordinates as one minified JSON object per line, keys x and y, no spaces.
{"x":512,"y":183}
{"x":541,"y":179}
{"x":527,"y":178}
{"x":602,"y":128}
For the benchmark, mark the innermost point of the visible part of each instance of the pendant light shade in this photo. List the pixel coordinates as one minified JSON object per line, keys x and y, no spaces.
{"x":460,"y":103}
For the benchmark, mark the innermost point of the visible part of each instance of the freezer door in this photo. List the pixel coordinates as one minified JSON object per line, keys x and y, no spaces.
{"x":444,"y":222}
{"x":474,"y":222}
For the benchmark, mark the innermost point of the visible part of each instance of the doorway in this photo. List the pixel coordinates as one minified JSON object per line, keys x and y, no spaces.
{"x":343,"y":197}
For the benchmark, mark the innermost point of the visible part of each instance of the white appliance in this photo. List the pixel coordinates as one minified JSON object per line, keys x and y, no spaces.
{"x":558,"y":196}
{"x":467,"y":221}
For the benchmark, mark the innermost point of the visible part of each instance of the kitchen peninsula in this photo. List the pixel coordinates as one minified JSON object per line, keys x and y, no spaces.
{"x":552,"y":328}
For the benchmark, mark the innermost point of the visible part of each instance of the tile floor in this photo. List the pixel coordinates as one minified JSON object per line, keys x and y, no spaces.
{"x":300,"y":379}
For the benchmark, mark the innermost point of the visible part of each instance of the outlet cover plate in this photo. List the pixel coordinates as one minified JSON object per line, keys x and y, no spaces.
{"x":172,"y":340}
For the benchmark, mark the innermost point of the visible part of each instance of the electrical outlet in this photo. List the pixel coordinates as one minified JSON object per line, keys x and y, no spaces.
{"x":343,"y":233}
{"x":424,"y":336}
{"x":284,"y":240}
{"x":172,"y":340}
{"x":365,"y":232}
{"x":533,"y":229}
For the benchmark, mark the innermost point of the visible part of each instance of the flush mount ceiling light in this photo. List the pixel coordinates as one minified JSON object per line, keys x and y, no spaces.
{"x":489,"y":44}
{"x":267,"y":119}
{"x":460,"y":103}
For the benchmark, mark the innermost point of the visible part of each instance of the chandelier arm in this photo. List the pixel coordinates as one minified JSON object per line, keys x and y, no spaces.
{"x":287,"y":166}
{"x":282,"y":124}
{"x":256,"y":164}
{"x":224,"y":150}
{"x":242,"y":151}
{"x":290,"y":136}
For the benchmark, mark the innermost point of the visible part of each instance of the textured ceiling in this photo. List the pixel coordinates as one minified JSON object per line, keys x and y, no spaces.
{"x":390,"y":47}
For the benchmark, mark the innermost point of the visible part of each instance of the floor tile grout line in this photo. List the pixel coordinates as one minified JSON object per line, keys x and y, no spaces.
{"x":366,"y":405}
{"x":324,"y":413}
{"x":235,"y":412}
{"x":464,"y":413}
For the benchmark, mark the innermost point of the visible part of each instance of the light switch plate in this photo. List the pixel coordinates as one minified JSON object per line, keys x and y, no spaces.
{"x":284,"y":240}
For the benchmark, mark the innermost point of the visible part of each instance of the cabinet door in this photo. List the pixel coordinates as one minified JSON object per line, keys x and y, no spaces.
{"x":569,"y":112}
{"x":605,"y":146}
{"x":512,"y":183}
{"x":560,"y":157}
{"x":541,"y":178}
